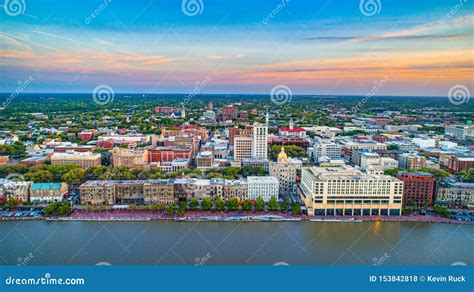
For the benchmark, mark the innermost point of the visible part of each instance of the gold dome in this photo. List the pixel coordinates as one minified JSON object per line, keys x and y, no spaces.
{"x":282,"y":157}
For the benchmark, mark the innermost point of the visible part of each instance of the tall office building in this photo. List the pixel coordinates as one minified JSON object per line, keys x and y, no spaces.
{"x":260,"y":141}
{"x":243,"y":146}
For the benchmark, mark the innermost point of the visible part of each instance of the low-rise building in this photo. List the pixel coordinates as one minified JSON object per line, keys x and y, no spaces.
{"x":460,"y":163}
{"x":411,"y":161}
{"x":205,"y":160}
{"x":132,"y":158}
{"x":418,"y":188}
{"x":262,"y":186}
{"x":18,"y":190}
{"x":83,"y":159}
{"x":48,"y":192}
{"x":455,"y":194}
{"x":324,"y":149}
{"x":159,"y":191}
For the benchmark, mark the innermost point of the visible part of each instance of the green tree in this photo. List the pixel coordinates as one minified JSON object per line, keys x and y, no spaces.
{"x":232,"y":204}
{"x":259,"y":204}
{"x":441,"y":211}
{"x":438,"y":174}
{"x":273,"y":203}
{"x":206,"y":204}
{"x":12,"y":202}
{"x":252,"y":171}
{"x":75,"y":176}
{"x":64,"y":209}
{"x":284,"y":206}
{"x":296,"y":208}
{"x":57,"y":209}
{"x":193,"y":204}
{"x":246,"y":206}
{"x":220,"y":205}
{"x":181,"y":209}
{"x":290,"y":150}
{"x":169,"y":210}
{"x":39,"y":176}
{"x":392,"y":147}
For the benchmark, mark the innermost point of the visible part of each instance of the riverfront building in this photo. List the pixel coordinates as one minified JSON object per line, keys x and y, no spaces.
{"x":455,"y":194}
{"x":418,"y":188}
{"x":48,"y":192}
{"x":348,"y":191}
{"x":83,"y":159}
{"x":262,"y":186}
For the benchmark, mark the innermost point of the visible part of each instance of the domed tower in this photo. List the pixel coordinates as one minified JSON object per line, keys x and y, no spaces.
{"x":282,"y":157}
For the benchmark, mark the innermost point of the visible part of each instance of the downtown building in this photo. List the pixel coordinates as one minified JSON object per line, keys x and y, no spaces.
{"x":349,"y":148}
{"x":131,"y":158}
{"x":83,"y":159}
{"x":418,"y":188}
{"x":411,"y":161}
{"x":110,"y":192}
{"x":346,"y":191}
{"x":455,"y":194}
{"x":324,"y":149}
{"x":164,"y":191}
{"x":285,"y":171}
{"x":260,"y":141}
{"x":262,"y":186}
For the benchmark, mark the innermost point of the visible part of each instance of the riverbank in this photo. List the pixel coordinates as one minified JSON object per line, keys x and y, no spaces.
{"x":147,"y":215}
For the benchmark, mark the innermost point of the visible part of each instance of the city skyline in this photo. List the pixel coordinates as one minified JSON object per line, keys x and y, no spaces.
{"x":316,"y":48}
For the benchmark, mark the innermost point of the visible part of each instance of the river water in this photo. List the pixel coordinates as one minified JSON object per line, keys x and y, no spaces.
{"x":235,"y":243}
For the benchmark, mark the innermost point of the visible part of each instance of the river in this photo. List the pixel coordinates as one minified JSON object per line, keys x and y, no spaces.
{"x":229,"y":243}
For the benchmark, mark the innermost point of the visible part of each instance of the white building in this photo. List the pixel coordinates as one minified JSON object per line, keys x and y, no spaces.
{"x":324,"y":131}
{"x":424,"y":143}
{"x":260,"y":141}
{"x":373,"y":160}
{"x":262,"y":186}
{"x":460,"y":132}
{"x":325,"y":148}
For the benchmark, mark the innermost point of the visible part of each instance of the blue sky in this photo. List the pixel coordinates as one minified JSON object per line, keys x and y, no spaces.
{"x":314,"y":47}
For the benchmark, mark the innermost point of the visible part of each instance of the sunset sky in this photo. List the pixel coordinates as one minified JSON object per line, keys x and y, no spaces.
{"x":315,"y":47}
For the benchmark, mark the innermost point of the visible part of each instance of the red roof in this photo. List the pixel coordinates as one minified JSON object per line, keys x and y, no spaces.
{"x":295,"y":129}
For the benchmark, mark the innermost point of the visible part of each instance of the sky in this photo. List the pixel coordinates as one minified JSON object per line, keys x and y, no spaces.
{"x":321,"y":47}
